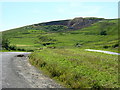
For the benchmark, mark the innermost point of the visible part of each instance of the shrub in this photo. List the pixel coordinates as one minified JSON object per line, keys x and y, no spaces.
{"x":5,"y":43}
{"x":116,"y":45}
{"x":12,"y":47}
{"x":103,"y":33}
{"x":105,"y":46}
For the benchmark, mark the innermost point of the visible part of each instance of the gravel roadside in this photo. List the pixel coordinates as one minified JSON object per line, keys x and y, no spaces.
{"x":32,"y":75}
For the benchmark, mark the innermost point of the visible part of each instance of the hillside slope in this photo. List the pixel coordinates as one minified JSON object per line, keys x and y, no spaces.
{"x":71,"y":24}
{"x":59,"y":50}
{"x":76,"y":23}
{"x":100,"y":35}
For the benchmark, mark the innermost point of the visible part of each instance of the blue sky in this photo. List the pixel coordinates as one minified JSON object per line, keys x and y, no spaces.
{"x":17,"y":14}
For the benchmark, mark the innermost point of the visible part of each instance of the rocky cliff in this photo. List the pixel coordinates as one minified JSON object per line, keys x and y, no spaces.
{"x":76,"y":23}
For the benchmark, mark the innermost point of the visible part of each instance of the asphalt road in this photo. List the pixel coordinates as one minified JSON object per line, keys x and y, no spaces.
{"x":18,"y":73}
{"x":108,"y":52}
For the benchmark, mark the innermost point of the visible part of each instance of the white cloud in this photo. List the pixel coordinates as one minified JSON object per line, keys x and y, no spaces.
{"x":61,"y":10}
{"x":36,"y":11}
{"x":79,"y":9}
{"x":75,"y":4}
{"x":89,"y":10}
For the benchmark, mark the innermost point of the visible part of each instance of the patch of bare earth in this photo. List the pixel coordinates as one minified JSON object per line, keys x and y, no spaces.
{"x":33,"y":75}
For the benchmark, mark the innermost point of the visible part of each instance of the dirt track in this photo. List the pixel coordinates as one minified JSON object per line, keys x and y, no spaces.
{"x":18,"y":73}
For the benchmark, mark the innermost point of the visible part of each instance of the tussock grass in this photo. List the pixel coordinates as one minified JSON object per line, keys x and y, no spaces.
{"x":77,"y":68}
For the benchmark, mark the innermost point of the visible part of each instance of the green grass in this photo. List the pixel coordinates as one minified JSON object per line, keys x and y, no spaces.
{"x":88,"y":37}
{"x":11,"y":51}
{"x":76,"y":68}
{"x":68,"y":62}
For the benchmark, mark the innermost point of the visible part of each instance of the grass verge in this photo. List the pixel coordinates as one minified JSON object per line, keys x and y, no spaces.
{"x":76,"y":68}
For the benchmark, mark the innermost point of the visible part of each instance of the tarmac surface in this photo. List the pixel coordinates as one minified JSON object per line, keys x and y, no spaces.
{"x":17,"y":72}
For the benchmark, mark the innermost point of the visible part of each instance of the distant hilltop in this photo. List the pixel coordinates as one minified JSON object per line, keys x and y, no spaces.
{"x":76,"y":23}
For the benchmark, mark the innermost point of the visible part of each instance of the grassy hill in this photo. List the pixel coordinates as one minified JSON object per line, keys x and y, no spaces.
{"x":59,"y":50}
{"x":100,"y":35}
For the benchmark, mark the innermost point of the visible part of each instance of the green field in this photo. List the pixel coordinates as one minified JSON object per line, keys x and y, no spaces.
{"x":60,"y":52}
{"x":76,"y":68}
{"x":89,"y":37}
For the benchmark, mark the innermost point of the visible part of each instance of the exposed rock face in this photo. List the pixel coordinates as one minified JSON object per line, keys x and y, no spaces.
{"x":61,"y":22}
{"x":76,"y":23}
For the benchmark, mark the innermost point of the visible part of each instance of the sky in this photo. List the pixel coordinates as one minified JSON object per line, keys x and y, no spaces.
{"x":17,"y":14}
